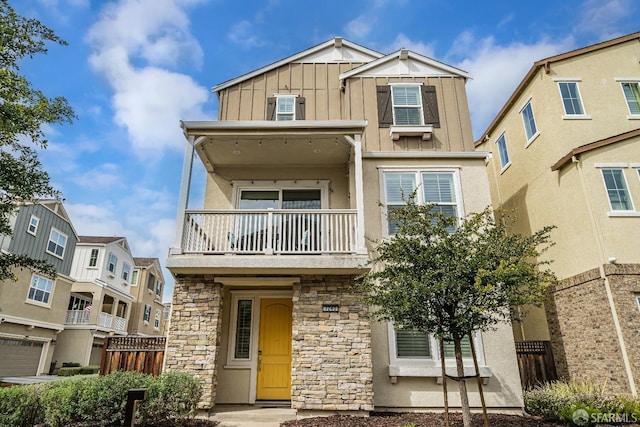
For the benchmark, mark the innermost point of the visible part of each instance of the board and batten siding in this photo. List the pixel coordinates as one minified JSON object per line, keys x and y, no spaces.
{"x":319,"y":84}
{"x":81,"y":270}
{"x":36,"y":246}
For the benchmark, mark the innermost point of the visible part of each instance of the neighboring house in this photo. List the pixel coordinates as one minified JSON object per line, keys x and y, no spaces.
{"x":147,"y":286}
{"x":100,"y":301}
{"x":302,"y":153}
{"x":32,"y":309}
{"x":567,"y":153}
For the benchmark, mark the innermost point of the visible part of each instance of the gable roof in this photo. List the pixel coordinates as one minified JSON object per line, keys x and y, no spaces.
{"x":594,"y":145}
{"x":103,"y":240}
{"x":333,"y":50}
{"x":546,"y":64}
{"x":404,"y":62}
{"x":144,"y":262}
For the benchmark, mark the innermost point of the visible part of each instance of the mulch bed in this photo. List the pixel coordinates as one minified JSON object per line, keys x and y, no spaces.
{"x":420,"y":420}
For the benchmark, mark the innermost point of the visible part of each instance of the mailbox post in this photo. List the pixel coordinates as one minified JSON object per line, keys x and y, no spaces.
{"x":133,"y":396}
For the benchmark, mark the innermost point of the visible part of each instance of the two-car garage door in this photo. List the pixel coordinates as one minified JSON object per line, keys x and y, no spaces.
{"x":19,"y":357}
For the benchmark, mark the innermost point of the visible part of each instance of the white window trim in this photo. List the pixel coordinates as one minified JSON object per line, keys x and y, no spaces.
{"x":156,"y":319}
{"x":323,"y":185}
{"x":115,"y":265}
{"x":64,"y":248}
{"x":34,"y":232}
{"x":620,"y":212}
{"x":636,"y":80}
{"x":432,"y":366}
{"x":537,"y":132}
{"x":506,"y":166}
{"x":146,"y":322}
{"x":565,"y":116}
{"x":137,"y":272}
{"x":419,"y":126}
{"x":638,"y":301}
{"x":455,"y":170}
{"x":232,"y":362}
{"x":279,"y":96}
{"x":39,"y":303}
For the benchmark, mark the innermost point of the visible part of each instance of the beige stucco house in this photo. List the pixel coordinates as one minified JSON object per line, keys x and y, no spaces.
{"x":301,"y":155}
{"x":147,"y":287}
{"x":566,"y":152}
{"x":33,"y":308}
{"x":100,"y":301}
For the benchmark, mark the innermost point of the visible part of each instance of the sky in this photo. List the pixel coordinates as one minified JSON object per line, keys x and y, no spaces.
{"x":133,"y":69}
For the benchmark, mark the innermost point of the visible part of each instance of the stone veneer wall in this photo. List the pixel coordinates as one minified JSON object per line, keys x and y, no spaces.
{"x":331,"y":367}
{"x":624,"y":280}
{"x":194,"y":332}
{"x":583,"y":336}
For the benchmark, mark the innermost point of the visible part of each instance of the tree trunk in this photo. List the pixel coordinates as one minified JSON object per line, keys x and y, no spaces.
{"x":444,"y":384}
{"x":464,"y":398}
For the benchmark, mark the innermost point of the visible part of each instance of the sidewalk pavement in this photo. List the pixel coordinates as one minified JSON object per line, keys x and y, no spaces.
{"x":250,"y":416}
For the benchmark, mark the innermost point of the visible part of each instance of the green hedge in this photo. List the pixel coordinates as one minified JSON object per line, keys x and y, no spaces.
{"x":69,"y":372}
{"x":99,"y":401}
{"x":580,"y":404}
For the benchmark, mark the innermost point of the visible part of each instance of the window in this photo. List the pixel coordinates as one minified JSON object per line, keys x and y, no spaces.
{"x":632,"y":95}
{"x":57,"y":242}
{"x":502,"y":151}
{"x":616,"y":187}
{"x":134,"y":278}
{"x":156,"y":320}
{"x":438,"y":187}
{"x":151,"y":283}
{"x":147,"y":313}
{"x":77,"y":303}
{"x":285,"y":107}
{"x":93,"y":258}
{"x":113,"y":263}
{"x":571,"y":98}
{"x":40,"y":289}
{"x":465,"y":344}
{"x":242,"y":345}
{"x":126,"y":269}
{"x":412,"y":344}
{"x":32,"y":228}
{"x":529,"y":122}
{"x":159,"y":289}
{"x":407,"y":105}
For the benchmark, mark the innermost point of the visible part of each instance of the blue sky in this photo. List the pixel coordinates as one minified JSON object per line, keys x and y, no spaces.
{"x":134,"y":68}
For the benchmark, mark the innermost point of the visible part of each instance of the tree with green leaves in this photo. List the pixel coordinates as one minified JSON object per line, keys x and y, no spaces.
{"x":23,"y":111}
{"x":450,"y":278}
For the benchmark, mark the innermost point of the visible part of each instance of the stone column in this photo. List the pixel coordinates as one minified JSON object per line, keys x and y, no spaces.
{"x":331,"y":363}
{"x":193,"y":340}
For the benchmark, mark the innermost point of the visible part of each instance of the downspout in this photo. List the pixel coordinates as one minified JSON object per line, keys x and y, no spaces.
{"x":607,"y":285}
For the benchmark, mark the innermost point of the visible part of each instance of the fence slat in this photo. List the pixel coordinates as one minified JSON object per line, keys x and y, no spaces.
{"x":140,"y":354}
{"x":535,"y":363}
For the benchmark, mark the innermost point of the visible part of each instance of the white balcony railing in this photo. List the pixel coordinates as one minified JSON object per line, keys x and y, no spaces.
{"x":119,"y":323}
{"x":286,"y":231}
{"x":105,"y":320}
{"x":77,"y":317}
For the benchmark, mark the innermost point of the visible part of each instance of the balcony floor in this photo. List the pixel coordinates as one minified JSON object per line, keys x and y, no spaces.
{"x":268,"y":264}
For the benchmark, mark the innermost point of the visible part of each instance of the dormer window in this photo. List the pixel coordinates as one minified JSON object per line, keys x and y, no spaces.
{"x":285,"y":107}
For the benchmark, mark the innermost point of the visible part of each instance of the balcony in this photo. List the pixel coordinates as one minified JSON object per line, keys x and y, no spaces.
{"x":301,"y":231}
{"x":106,"y":320}
{"x":77,"y":317}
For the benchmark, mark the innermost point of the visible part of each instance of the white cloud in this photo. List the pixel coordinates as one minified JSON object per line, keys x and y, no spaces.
{"x":107,"y":175}
{"x":599,"y":17}
{"x":134,"y":54}
{"x":242,"y":33}
{"x":359,"y":27}
{"x":496,"y":70}
{"x":402,"y":41}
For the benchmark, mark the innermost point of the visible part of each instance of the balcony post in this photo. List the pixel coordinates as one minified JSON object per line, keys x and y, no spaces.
{"x":183,"y":196}
{"x":357,"y":147}
{"x":268,"y":249}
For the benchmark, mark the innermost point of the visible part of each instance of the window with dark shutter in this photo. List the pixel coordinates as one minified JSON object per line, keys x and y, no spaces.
{"x":285,"y":107}
{"x":271,"y":108}
{"x":430,"y":106}
{"x":385,"y":112}
{"x":300,"y":108}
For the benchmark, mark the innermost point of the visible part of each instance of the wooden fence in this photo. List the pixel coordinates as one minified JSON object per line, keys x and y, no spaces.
{"x":535,"y":361}
{"x":140,"y":354}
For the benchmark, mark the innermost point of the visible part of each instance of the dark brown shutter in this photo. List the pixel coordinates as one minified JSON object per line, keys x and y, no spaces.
{"x":385,"y":112}
{"x":300,"y":108}
{"x":430,"y":106}
{"x":271,"y":108}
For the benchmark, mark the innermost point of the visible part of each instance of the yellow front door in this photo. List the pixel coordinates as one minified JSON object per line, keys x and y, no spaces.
{"x":274,"y":350}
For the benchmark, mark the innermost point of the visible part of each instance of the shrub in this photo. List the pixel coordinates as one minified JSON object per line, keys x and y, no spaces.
{"x":70,"y":365}
{"x":69,"y":371}
{"x":170,"y":396}
{"x":559,"y":401}
{"x":19,"y":407}
{"x":88,"y":370}
{"x":60,"y":402}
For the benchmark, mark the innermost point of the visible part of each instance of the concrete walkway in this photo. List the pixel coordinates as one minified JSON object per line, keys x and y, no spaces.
{"x":28,"y":379}
{"x":251,"y":416}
